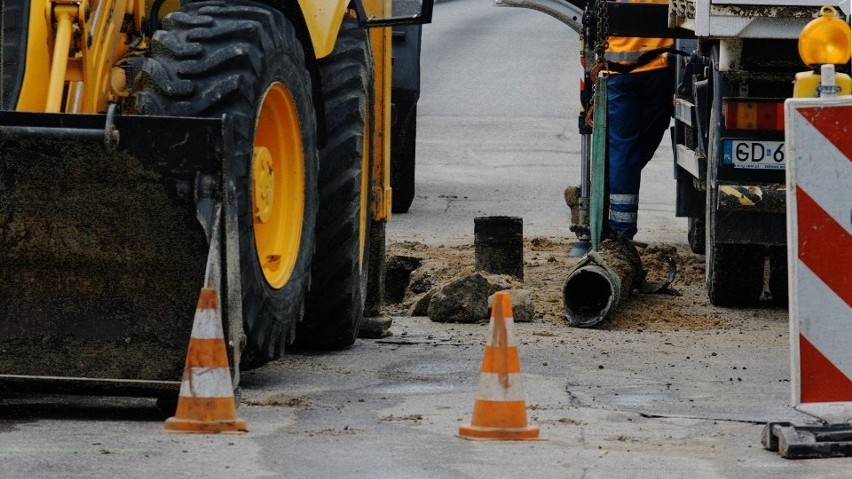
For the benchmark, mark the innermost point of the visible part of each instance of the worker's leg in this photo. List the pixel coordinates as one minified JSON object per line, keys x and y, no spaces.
{"x":625,"y":156}
{"x":656,"y":110}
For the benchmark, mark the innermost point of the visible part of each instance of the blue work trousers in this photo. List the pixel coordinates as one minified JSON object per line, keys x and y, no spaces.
{"x":639,"y":109}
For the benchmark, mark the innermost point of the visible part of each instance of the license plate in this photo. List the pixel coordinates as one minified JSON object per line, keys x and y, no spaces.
{"x":753,"y":154}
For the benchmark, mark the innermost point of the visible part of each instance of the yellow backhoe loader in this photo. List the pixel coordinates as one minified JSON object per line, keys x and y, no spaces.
{"x":147,"y":150}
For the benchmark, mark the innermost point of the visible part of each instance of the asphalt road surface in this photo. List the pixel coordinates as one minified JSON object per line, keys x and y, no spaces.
{"x":497,"y":137}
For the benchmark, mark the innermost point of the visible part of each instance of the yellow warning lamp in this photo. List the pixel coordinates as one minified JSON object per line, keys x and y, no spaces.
{"x":825,"y":40}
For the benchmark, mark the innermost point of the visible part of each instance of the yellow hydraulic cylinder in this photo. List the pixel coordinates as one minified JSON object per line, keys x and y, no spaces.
{"x":65,"y":15}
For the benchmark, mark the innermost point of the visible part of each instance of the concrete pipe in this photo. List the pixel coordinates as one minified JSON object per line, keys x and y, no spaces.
{"x":600,"y":282}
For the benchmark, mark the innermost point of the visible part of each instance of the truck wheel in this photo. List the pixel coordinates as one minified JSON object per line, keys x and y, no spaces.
{"x":733,"y":272}
{"x":778,"y":275}
{"x":243,"y":59}
{"x":335,"y":303}
{"x":403,"y":145}
{"x":697,"y":234}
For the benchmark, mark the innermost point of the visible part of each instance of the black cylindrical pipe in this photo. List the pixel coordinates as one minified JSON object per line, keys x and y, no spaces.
{"x":499,"y":245}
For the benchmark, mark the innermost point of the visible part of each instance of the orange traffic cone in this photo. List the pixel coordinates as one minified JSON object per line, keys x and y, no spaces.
{"x":499,"y":409}
{"x":206,"y":402}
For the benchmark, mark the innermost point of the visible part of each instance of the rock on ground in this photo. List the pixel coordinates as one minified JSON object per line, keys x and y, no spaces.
{"x":464,"y":300}
{"x":523,"y":309}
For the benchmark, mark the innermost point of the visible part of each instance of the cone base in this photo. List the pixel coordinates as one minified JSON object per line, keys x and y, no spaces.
{"x":469,"y":431}
{"x":174,"y":424}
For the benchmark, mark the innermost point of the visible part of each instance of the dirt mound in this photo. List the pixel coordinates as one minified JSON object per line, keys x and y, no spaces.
{"x":684,"y":306}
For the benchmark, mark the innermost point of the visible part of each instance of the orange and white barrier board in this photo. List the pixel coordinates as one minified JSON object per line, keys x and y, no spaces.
{"x":819,"y":241}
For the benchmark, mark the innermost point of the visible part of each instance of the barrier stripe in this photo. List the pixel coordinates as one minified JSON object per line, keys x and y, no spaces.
{"x":824,"y":246}
{"x":207,"y":383}
{"x":821,"y":381}
{"x":497,"y":387}
{"x":824,"y":322}
{"x":833,"y":124}
{"x":823,"y":171}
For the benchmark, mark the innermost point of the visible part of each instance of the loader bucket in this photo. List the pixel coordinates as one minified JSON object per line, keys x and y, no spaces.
{"x":103,"y":247}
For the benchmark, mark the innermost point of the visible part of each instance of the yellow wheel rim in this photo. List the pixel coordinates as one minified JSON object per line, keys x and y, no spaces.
{"x":278,"y":185}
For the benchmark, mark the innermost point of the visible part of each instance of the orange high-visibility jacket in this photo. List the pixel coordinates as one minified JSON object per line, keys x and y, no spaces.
{"x":627,"y":49}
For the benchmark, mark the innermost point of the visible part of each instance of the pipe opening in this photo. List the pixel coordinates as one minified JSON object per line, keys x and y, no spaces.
{"x":588,"y":297}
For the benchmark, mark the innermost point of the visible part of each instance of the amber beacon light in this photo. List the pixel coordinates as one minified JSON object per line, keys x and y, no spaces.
{"x":825,"y":40}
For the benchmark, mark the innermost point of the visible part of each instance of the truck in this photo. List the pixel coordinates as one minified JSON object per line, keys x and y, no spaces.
{"x":149,"y":149}
{"x":728,"y":139}
{"x":736,"y":64}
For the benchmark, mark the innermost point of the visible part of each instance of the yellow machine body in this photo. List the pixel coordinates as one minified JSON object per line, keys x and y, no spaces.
{"x":89,"y":80}
{"x":87,"y":70}
{"x":133,"y":202}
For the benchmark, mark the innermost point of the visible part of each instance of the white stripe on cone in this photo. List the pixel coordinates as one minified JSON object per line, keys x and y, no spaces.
{"x":207,"y":325}
{"x":491,"y":389}
{"x":207,"y":383}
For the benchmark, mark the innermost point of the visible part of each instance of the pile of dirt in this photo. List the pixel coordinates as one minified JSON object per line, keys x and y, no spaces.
{"x":683,"y":306}
{"x":100,"y":263}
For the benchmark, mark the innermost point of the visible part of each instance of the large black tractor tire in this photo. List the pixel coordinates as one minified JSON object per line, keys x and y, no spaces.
{"x":13,"y":16}
{"x":244,"y":59}
{"x":733,"y":272}
{"x":335,"y":303}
